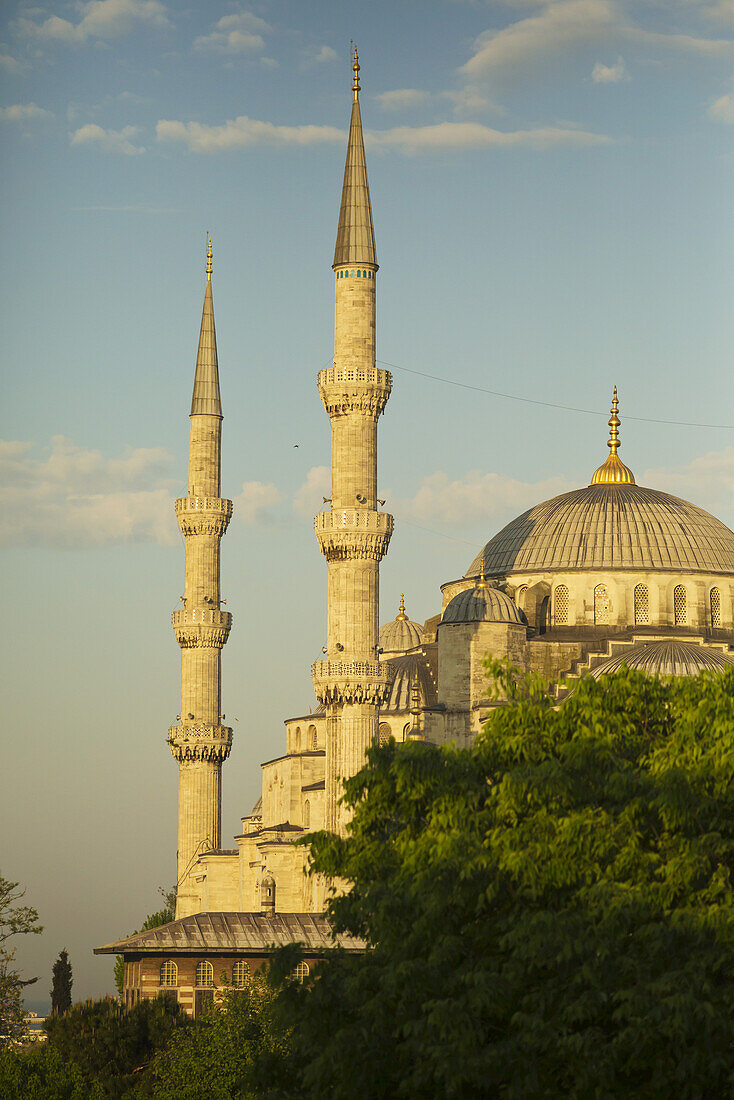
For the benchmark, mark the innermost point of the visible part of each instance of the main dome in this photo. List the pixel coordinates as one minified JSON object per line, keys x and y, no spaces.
{"x":610,"y":527}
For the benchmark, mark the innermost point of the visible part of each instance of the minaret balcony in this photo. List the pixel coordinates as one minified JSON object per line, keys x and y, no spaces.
{"x":349,"y":533}
{"x":363,"y":390}
{"x":200,"y":741}
{"x":203,"y":515}
{"x":201,"y":627}
{"x":352,"y":681}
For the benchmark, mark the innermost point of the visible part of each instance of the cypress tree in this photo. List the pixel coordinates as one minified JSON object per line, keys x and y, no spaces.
{"x":62,"y":982}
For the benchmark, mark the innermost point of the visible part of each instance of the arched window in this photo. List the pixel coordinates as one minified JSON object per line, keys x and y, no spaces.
{"x":520,"y":596}
{"x":313,"y":738}
{"x":680,"y":608}
{"x":204,"y":975}
{"x":240,"y":974}
{"x":560,"y":605}
{"x":543,"y":615}
{"x":169,"y":974}
{"x":297,"y":739}
{"x":642,"y":605}
{"x":406,"y":730}
{"x":301,"y":972}
{"x":307,"y":814}
{"x":715,"y":607}
{"x":359,"y":274}
{"x":384,"y":733}
{"x":601,"y":605}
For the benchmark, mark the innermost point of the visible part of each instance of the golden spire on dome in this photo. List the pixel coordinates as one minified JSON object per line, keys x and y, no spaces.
{"x":208,"y":256}
{"x":355,"y":68}
{"x":482,"y":582}
{"x":613,"y":471}
{"x":401,"y":617}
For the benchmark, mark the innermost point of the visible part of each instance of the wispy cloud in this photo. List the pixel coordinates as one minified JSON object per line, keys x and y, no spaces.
{"x":309,"y":498}
{"x":257,"y":502}
{"x":400,"y":98}
{"x":477,"y":499}
{"x":110,"y":141}
{"x":73,"y":498}
{"x":100,"y":20}
{"x":707,"y":481}
{"x":722,"y":109}
{"x":321,"y":55}
{"x":239,"y":33}
{"x":610,"y":74}
{"x":23,"y":112}
{"x":242,"y":132}
{"x":12,"y":65}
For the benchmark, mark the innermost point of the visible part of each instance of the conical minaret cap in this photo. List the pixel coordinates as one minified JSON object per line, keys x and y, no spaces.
{"x":355,"y":237}
{"x":206,"y":399}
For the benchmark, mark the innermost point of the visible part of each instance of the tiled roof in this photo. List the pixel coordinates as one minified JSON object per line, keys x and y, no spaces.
{"x":234,"y":933}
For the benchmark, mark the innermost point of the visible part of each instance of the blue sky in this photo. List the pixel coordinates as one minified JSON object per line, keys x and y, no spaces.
{"x":551,"y":185}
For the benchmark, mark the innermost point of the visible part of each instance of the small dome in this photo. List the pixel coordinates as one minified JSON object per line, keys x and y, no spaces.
{"x":400,"y":633}
{"x":483,"y":604}
{"x":666,"y":658}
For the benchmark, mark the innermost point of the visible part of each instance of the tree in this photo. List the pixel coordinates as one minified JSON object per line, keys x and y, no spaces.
{"x":550,"y":911}
{"x":15,"y":920}
{"x":153,"y":920}
{"x":61,"y":984}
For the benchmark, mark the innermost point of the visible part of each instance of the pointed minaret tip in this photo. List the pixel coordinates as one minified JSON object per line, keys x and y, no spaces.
{"x":206,"y":398}
{"x":355,"y":237}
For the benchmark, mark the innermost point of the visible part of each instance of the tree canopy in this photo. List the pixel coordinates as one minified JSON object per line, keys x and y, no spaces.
{"x":550,"y":910}
{"x":61,"y":983}
{"x":15,"y":920}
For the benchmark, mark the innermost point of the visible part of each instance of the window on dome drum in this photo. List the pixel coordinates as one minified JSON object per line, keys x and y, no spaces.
{"x":384,"y":733}
{"x":169,"y":974}
{"x":642,"y":605}
{"x":297,"y":739}
{"x":204,"y":975}
{"x":680,"y":609}
{"x":560,"y":606}
{"x":601,"y":605}
{"x":520,"y":596}
{"x":313,"y":738}
{"x":307,"y":814}
{"x":543,"y":615}
{"x":240,"y":974}
{"x":301,"y":972}
{"x":715,"y":607}
{"x":406,"y":730}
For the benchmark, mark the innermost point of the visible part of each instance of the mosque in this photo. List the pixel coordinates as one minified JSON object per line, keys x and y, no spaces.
{"x":609,"y":573}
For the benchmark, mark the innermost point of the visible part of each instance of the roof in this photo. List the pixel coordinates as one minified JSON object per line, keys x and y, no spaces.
{"x":483,"y":604}
{"x":670,"y":657}
{"x":408,"y":668}
{"x":355,"y":235}
{"x":398,"y":635}
{"x":206,"y":398}
{"x":610,"y":527}
{"x":233,"y":933}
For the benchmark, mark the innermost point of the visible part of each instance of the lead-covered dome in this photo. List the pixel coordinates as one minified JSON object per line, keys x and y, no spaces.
{"x":666,"y":658}
{"x":400,"y":633}
{"x":610,"y":527}
{"x":482,"y":604}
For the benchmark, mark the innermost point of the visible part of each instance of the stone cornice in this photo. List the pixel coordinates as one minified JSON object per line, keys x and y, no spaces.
{"x":354,"y":390}
{"x":205,"y":628}
{"x":197,"y":742}
{"x":352,"y":533}
{"x":352,"y":681}
{"x":203,"y":515}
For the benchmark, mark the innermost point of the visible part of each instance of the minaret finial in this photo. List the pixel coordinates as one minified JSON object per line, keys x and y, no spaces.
{"x":613,"y":471}
{"x":401,"y":617}
{"x":355,"y":68}
{"x":208,"y":256}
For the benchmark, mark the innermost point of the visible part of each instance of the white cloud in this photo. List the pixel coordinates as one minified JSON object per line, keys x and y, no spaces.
{"x":111,"y":141}
{"x":323,"y":55}
{"x":12,"y":64}
{"x":707,"y":481}
{"x":609,"y":74}
{"x":400,"y":98}
{"x":101,"y":19}
{"x":75,"y":498}
{"x":722,"y":109}
{"x":255,"y":502}
{"x":22,"y":112}
{"x":477,"y":498}
{"x":470,"y":101}
{"x":235,"y":34}
{"x":309,"y":499}
{"x":242,"y":132}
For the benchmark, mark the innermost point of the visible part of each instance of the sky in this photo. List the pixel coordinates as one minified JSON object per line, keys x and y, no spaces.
{"x":551,"y":187}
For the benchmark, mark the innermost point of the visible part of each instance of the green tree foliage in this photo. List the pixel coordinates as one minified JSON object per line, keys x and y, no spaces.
{"x":153,"y":920}
{"x":15,"y":920}
{"x":551,"y":910}
{"x":41,"y":1073}
{"x":61,"y":983}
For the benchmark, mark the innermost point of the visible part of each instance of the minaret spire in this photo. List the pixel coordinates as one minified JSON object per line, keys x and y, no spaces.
{"x":353,"y":535}
{"x":201,"y":743}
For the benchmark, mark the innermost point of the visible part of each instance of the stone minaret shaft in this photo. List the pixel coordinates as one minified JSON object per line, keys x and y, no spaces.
{"x":201,"y":743}
{"x":353,"y":535}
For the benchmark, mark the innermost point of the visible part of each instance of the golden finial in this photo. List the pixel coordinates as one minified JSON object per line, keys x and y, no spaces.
{"x":613,"y":471}
{"x":482,"y":582}
{"x":401,"y":617}
{"x":355,"y":68}
{"x":416,"y":733}
{"x":208,"y":256}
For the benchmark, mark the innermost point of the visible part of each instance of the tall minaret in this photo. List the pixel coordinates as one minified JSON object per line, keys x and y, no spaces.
{"x":201,"y":743}
{"x":353,"y":535}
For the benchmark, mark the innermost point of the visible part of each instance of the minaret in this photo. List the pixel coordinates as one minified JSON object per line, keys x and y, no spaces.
{"x":201,"y":743}
{"x":353,"y":535}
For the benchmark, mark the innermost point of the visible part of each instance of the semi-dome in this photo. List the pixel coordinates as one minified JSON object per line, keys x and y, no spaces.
{"x":400,"y":633}
{"x":610,"y":524}
{"x":409,"y":670}
{"x":483,"y":604}
{"x":666,"y":658}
